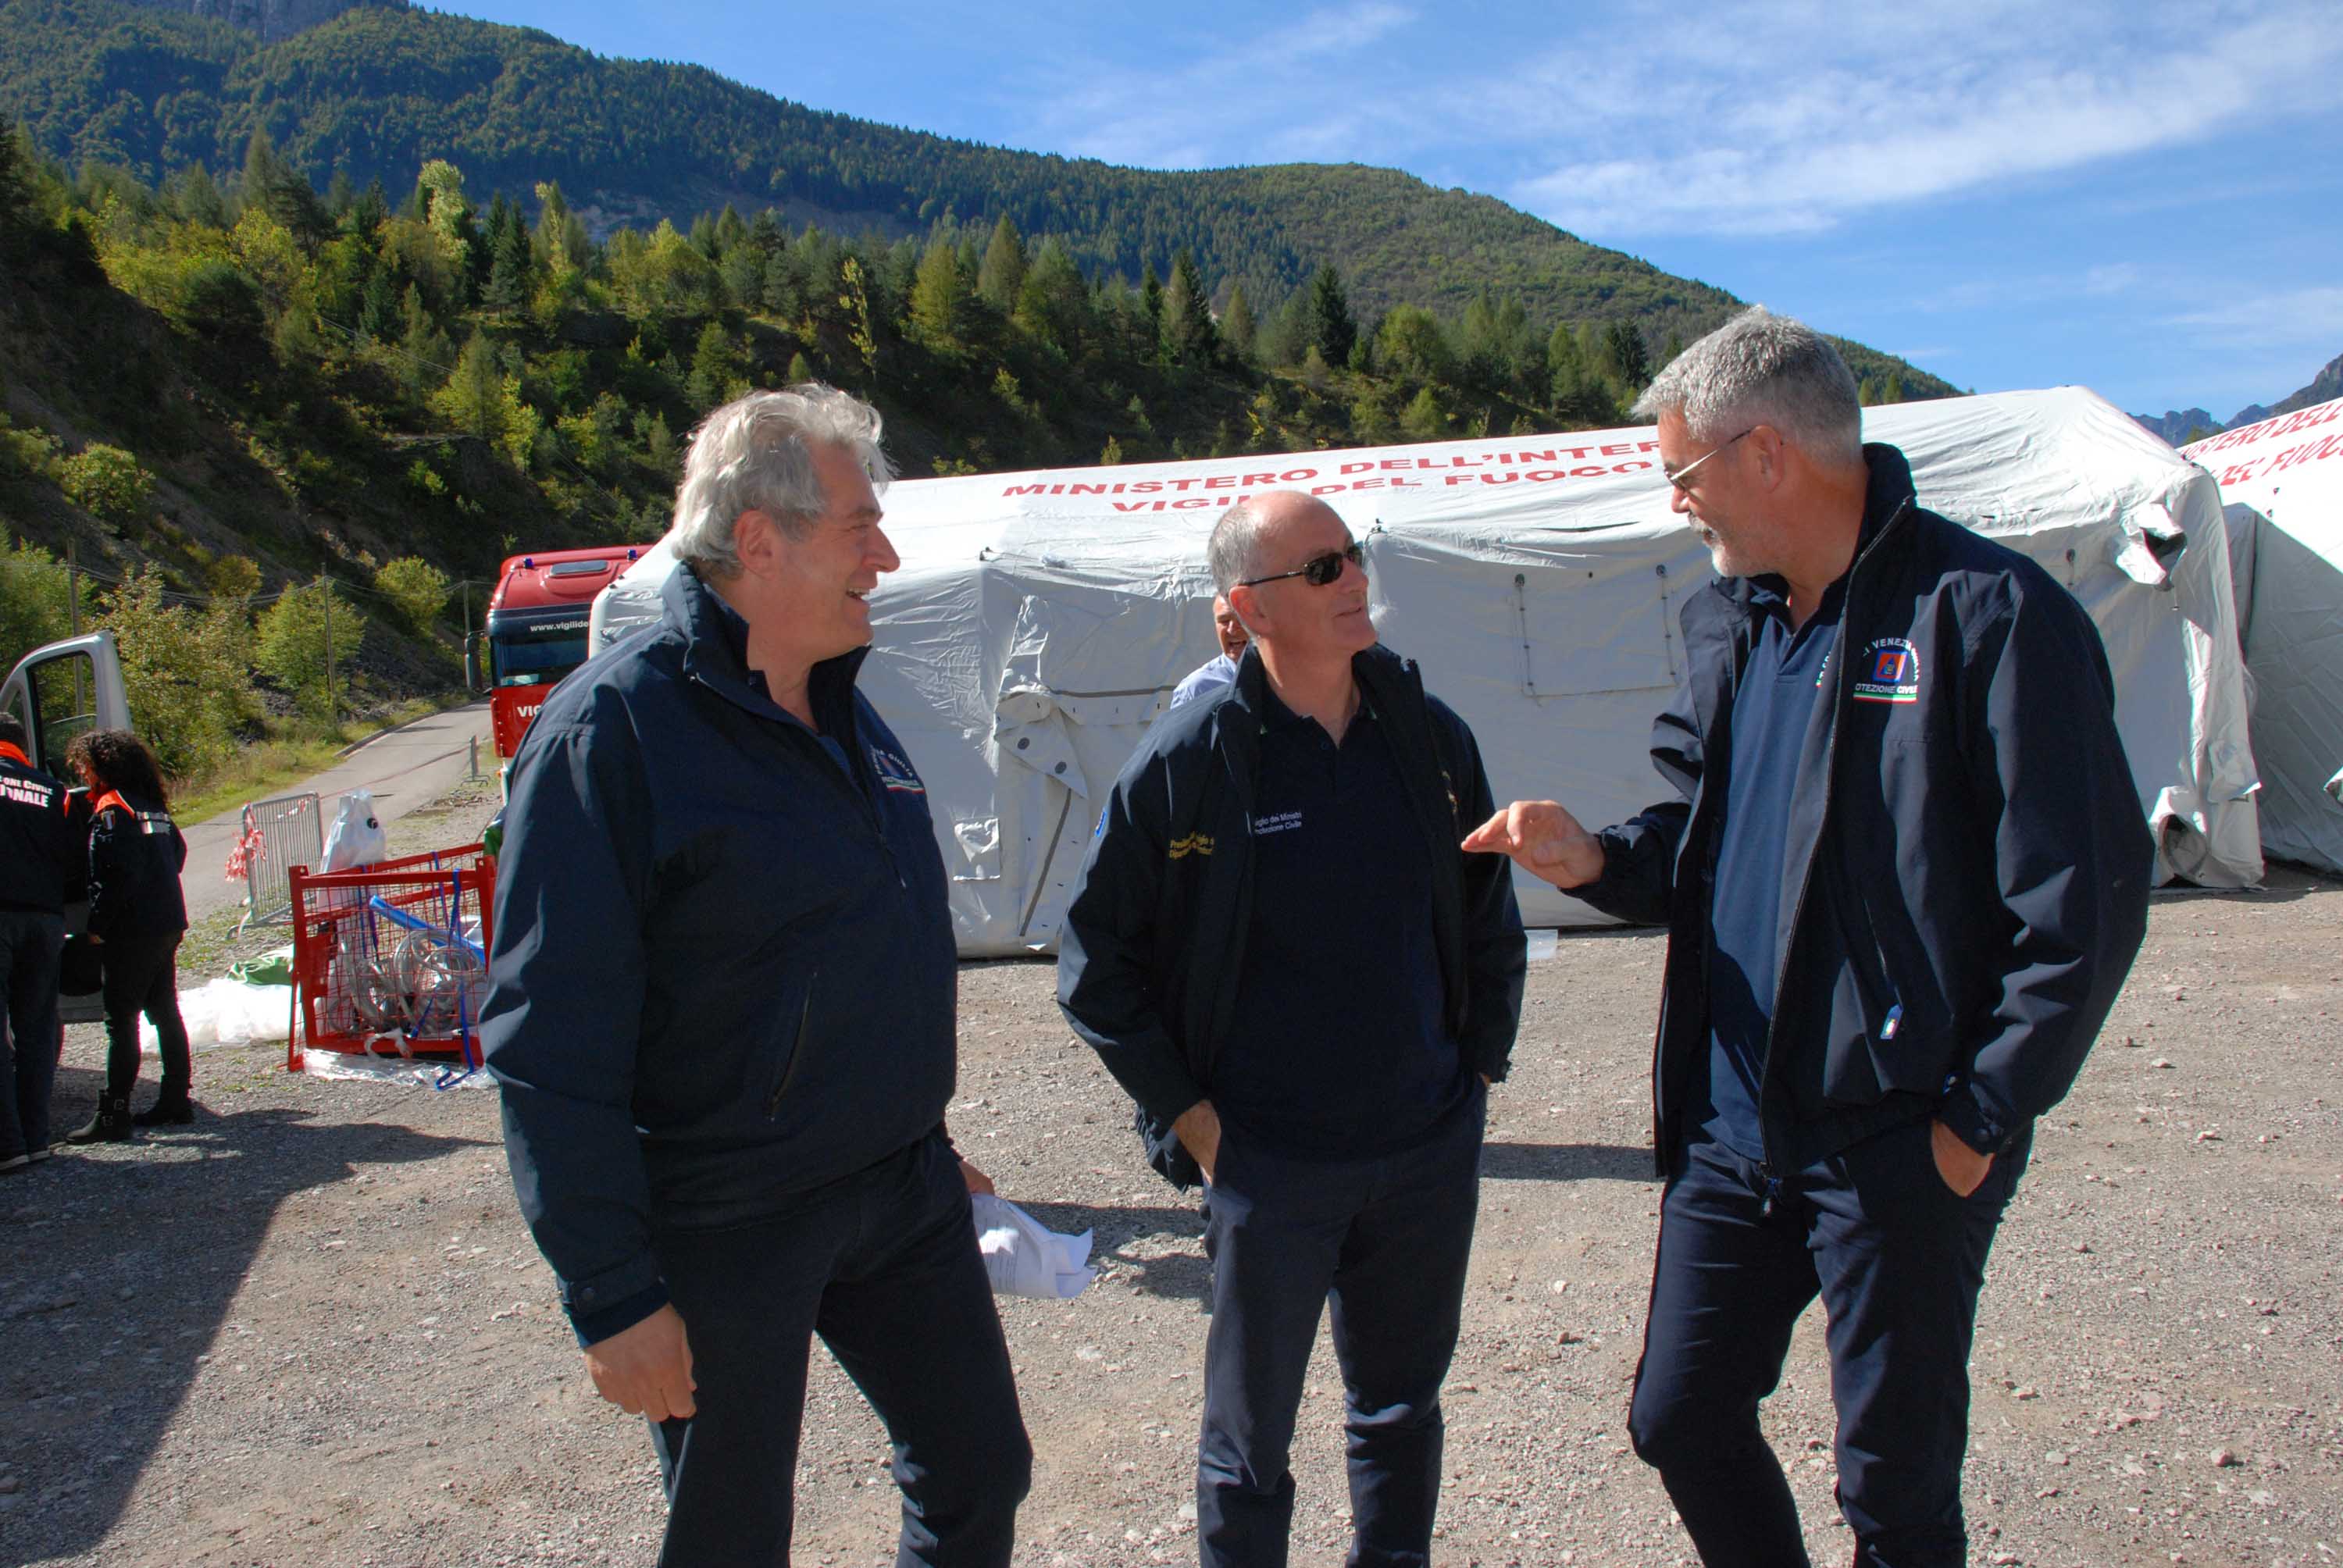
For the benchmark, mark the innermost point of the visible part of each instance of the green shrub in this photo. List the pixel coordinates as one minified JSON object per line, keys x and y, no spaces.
{"x":106,"y":482}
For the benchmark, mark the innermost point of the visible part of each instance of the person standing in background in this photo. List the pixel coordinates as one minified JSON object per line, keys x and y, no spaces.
{"x":38,"y":852}
{"x":137,"y":915}
{"x":1214,"y":673}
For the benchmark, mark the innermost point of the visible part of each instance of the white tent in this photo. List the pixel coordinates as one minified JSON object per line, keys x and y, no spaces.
{"x":1041,"y":620}
{"x":2282,"y":480}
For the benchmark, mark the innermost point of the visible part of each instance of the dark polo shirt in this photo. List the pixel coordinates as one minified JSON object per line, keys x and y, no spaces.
{"x":1338,"y":1047}
{"x":1786,"y":673}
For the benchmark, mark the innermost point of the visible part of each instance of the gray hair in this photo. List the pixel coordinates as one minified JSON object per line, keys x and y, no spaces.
{"x":754,"y":454}
{"x":1235,"y":548}
{"x":1760,"y":368}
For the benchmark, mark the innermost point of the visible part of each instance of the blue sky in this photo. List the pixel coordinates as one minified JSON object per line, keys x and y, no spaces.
{"x":2144,"y":198}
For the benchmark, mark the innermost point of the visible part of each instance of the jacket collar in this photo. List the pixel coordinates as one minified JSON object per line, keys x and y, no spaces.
{"x":715,"y":654}
{"x":11,"y":752}
{"x":1377,"y":669}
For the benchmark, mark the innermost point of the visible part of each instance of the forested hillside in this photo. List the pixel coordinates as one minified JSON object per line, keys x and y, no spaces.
{"x":245,"y":413}
{"x":378,"y":91}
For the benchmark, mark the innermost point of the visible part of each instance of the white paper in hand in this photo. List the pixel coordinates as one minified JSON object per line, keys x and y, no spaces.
{"x":1025,"y":1260}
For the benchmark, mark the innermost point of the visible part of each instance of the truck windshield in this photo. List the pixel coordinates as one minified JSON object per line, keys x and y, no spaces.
{"x":525,"y":653}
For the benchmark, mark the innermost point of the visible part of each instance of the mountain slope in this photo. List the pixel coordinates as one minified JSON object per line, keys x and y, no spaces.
{"x":374,"y":92}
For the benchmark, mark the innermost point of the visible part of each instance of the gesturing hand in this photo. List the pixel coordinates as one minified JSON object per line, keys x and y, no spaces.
{"x":1542,"y":839}
{"x":646,"y":1370}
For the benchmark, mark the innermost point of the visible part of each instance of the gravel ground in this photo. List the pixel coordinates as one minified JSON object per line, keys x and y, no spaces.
{"x":310,"y":1329}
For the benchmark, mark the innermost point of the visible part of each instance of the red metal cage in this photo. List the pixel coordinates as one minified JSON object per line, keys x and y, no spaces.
{"x":391,"y":958}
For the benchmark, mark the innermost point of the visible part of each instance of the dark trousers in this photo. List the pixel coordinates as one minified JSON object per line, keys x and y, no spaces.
{"x":29,"y":944}
{"x":142,"y":975}
{"x":883,"y":1265}
{"x":1385,"y":1241}
{"x":1897,"y":1259}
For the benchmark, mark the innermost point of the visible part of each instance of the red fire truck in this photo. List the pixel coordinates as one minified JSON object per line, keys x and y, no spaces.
{"x":536,"y":631}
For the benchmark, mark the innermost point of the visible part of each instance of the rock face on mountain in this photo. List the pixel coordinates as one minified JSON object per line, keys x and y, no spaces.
{"x":271,"y":19}
{"x":2177,"y":426}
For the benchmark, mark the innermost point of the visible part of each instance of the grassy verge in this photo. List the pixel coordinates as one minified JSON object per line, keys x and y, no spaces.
{"x":290,"y":753}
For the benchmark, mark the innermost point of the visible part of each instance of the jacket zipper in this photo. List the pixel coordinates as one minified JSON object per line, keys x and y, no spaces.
{"x":852,"y":787}
{"x":796,"y":1050}
{"x":1765,"y":1166}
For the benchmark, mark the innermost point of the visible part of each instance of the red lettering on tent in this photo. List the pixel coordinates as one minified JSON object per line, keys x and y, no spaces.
{"x":1026,"y":490}
{"x":1357,"y":469}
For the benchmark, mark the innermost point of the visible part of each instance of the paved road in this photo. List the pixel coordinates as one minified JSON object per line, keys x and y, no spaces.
{"x":405,"y":768}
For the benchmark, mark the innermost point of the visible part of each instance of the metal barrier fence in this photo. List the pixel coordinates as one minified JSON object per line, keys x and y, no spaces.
{"x":278,"y":836}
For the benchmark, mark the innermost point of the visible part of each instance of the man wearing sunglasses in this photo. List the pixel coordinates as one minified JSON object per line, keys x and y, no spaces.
{"x":1280,"y":951}
{"x":1222,"y":668}
{"x":1903,"y":880}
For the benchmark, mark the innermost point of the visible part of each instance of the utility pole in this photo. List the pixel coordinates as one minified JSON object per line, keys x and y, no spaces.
{"x":73,"y":582}
{"x":327,"y":584}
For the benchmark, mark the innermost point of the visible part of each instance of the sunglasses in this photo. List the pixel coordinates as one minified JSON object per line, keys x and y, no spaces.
{"x":1319,"y":571}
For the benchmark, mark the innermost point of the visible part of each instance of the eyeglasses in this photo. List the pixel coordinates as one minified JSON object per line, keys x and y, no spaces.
{"x":1321,"y":571}
{"x":1680,"y":474}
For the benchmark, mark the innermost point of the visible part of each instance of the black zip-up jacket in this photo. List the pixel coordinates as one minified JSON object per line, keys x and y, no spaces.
{"x":1153,"y":941}
{"x":135,"y":856}
{"x":1967,"y":877}
{"x":38,"y":851}
{"x":723,"y":971}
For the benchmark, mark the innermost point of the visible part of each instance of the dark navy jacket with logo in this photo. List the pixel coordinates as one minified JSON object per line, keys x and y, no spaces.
{"x":1966,"y":876}
{"x":1152,"y":945}
{"x":39,"y":851}
{"x":724,"y":969}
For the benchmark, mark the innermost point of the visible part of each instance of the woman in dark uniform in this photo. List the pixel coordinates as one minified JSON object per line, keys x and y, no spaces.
{"x":136,"y":915}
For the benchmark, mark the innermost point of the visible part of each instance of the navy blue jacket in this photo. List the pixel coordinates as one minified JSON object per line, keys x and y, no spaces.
{"x":38,"y":842}
{"x":1153,"y":941}
{"x":135,"y":856}
{"x":1966,"y":877}
{"x":724,"y":972}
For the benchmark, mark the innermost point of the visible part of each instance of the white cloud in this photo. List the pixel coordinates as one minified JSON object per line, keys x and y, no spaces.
{"x":2285,"y":318}
{"x":2120,"y":277}
{"x":1266,"y":99}
{"x":1796,"y":120}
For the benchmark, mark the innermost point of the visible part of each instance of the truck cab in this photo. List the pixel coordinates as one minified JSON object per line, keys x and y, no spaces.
{"x":536,"y":631}
{"x":58,"y":691}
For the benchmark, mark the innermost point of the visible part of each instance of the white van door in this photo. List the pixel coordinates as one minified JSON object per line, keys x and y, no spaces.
{"x":58,"y":691}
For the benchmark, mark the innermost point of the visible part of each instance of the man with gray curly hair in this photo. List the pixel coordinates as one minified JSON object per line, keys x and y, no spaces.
{"x":1904,"y":873}
{"x":722,"y":1015}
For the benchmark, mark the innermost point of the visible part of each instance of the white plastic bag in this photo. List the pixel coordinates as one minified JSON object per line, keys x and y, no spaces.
{"x":227,"y":1012}
{"x":1024,"y":1259}
{"x":357,"y":837}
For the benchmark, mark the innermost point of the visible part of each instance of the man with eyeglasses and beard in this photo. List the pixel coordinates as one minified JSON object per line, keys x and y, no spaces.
{"x":1905,"y":871}
{"x":1279,"y":948}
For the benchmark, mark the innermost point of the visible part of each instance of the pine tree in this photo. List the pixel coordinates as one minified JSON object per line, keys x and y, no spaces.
{"x":715,"y":367}
{"x":801,"y":372}
{"x":1423,"y":419}
{"x":1186,"y":322}
{"x":1330,"y":324}
{"x":1237,"y":326}
{"x":939,"y":294}
{"x":1624,"y":342}
{"x":509,"y":284}
{"x":1003,"y":275}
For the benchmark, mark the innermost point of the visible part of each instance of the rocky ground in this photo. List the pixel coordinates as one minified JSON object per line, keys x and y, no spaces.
{"x":310,"y":1329}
